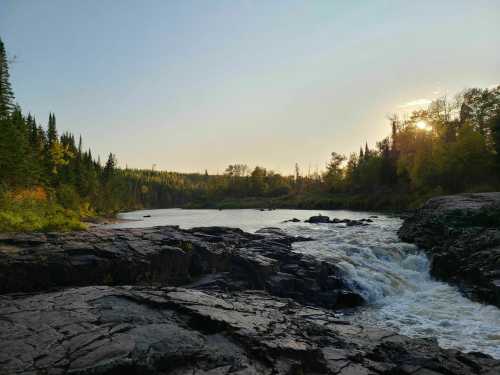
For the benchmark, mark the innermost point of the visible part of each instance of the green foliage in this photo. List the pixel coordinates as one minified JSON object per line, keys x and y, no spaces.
{"x":36,"y":215}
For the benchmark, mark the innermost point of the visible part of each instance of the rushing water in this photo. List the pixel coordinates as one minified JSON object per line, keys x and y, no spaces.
{"x":393,"y":276}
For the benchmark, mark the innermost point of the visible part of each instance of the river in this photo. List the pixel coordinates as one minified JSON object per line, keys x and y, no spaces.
{"x":392,"y":275}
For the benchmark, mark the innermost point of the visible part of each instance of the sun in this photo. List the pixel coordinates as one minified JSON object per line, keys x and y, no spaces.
{"x":422,"y":125}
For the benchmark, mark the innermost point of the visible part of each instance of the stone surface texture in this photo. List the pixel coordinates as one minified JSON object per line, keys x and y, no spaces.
{"x":461,"y":233}
{"x":151,"y":330}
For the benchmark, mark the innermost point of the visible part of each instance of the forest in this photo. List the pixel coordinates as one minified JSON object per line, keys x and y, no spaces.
{"x":50,"y":181}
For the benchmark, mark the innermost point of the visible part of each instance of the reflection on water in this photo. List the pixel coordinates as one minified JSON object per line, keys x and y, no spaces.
{"x":393,"y":276}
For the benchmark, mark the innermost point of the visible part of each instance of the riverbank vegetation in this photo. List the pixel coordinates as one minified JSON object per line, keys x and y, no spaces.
{"x":49,"y":181}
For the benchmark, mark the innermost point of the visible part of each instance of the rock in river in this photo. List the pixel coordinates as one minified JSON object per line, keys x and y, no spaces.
{"x":461,"y":233}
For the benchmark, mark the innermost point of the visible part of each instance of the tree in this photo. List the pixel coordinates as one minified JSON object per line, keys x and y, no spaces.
{"x":258,"y":183}
{"x":6,"y":94}
{"x":14,"y":150}
{"x":334,"y":171}
{"x":495,"y":130}
{"x":51,"y":130}
{"x":388,"y":163}
{"x":109,"y":168}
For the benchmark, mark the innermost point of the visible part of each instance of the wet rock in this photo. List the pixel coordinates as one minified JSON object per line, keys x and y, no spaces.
{"x":461,"y":233}
{"x":294,"y":220}
{"x":138,"y":330}
{"x":318,"y":219}
{"x":210,"y":258}
{"x":281,"y":235}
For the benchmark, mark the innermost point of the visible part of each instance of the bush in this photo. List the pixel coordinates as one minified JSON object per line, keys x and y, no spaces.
{"x":33,"y":210}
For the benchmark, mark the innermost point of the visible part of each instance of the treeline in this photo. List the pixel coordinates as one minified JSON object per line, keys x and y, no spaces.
{"x":50,"y":181}
{"x":452,"y":146}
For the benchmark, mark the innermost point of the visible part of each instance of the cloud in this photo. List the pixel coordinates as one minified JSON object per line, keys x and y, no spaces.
{"x":491,"y":87}
{"x":416,"y":103}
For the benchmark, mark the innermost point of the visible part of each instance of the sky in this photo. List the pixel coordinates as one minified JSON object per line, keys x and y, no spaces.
{"x":194,"y":85}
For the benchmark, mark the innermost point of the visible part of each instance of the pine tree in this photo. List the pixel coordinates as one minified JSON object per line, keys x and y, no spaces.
{"x":6,"y":94}
{"x":51,"y":130}
{"x":109,"y":168}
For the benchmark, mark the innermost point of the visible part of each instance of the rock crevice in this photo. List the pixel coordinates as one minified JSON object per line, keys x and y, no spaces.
{"x":151,"y":330}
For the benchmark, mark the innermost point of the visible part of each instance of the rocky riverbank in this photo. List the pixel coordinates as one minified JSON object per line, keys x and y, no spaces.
{"x":206,"y":258}
{"x":461,"y":234}
{"x":201,"y":301}
{"x":144,"y":330}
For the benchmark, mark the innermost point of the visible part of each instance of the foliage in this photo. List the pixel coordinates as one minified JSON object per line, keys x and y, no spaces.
{"x":33,"y":210}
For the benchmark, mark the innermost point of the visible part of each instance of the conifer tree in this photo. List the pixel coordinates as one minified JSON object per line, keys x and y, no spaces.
{"x":51,"y":130}
{"x":6,"y":94}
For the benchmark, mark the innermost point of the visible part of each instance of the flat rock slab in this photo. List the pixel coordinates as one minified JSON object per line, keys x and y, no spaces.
{"x":145,"y":330}
{"x":461,"y":233}
{"x":207,"y":258}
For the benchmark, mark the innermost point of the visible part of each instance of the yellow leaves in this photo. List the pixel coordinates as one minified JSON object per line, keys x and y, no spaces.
{"x":60,"y":155}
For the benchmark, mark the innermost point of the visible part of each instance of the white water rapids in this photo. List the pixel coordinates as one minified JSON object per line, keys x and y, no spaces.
{"x":393,"y":276}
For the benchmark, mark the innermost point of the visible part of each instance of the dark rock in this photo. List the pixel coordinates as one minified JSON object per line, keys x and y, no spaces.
{"x":461,"y":233}
{"x":294,"y":220}
{"x":318,"y":219}
{"x":206,"y":258}
{"x":281,"y":235}
{"x":145,"y":330}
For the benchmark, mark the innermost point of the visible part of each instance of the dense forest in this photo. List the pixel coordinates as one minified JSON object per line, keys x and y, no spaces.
{"x":49,"y":181}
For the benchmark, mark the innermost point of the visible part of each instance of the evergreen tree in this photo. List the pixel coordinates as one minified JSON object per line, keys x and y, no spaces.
{"x":6,"y":94}
{"x":495,"y":130}
{"x":51,"y":130}
{"x":109,"y":168}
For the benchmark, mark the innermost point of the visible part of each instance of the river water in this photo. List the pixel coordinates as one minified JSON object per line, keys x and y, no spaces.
{"x":392,"y":275}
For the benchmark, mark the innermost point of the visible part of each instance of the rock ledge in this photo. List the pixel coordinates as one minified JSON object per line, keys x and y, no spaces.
{"x":461,"y":233}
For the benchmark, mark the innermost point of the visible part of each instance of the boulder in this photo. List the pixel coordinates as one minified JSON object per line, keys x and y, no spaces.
{"x":461,"y":234}
{"x":318,"y":219}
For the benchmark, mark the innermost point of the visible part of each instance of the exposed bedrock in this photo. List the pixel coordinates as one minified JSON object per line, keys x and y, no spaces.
{"x":461,"y":233}
{"x":148,"y":330}
{"x":204,"y":258}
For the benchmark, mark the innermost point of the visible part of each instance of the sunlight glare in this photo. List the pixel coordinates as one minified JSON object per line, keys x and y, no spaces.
{"x":422,"y":125}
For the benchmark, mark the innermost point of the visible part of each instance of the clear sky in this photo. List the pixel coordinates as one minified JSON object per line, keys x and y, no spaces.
{"x":195,"y":85}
